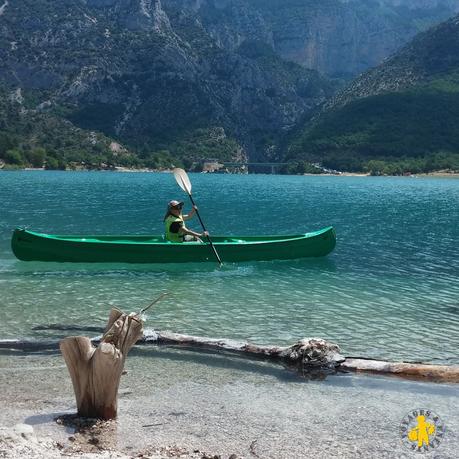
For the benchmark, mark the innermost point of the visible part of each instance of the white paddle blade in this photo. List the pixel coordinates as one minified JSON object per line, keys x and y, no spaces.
{"x":182,"y":179}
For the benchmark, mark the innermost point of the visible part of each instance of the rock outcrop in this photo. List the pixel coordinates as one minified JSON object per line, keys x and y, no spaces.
{"x":339,"y":38}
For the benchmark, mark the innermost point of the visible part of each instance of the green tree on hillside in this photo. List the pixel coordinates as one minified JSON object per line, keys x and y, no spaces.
{"x":36,"y":157}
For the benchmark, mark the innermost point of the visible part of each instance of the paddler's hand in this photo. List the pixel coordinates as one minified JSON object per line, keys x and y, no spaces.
{"x":205,"y":234}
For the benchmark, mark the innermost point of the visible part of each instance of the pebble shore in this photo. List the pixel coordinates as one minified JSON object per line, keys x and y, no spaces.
{"x":182,"y":404}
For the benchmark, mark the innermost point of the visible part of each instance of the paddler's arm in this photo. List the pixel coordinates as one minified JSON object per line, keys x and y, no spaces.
{"x":190,"y":214}
{"x":185,"y":231}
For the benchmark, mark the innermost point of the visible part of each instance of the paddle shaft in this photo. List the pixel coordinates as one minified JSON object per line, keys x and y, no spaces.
{"x":204,"y":228}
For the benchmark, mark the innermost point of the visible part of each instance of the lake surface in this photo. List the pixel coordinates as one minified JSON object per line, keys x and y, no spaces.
{"x":389,"y":290}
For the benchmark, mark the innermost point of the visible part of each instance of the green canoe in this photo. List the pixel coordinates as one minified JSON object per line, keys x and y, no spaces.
{"x":31,"y":246}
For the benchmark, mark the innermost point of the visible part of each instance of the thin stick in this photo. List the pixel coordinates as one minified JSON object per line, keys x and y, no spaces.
{"x":160,"y":297}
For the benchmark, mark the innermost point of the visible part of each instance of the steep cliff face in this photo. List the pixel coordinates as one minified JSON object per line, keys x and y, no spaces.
{"x":430,"y":55}
{"x":339,"y":38}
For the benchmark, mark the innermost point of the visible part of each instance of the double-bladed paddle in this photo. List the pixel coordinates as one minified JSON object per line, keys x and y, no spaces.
{"x":184,"y":183}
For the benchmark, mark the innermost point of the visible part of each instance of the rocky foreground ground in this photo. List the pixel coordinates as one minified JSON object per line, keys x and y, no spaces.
{"x":190,"y":406}
{"x":21,"y":441}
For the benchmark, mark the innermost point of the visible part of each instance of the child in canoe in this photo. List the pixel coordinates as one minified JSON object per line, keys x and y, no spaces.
{"x":174,"y":221}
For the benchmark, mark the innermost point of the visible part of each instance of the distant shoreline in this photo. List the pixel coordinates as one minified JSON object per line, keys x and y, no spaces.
{"x":439,"y":174}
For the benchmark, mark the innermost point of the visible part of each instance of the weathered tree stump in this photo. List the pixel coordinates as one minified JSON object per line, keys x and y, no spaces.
{"x":96,"y":372}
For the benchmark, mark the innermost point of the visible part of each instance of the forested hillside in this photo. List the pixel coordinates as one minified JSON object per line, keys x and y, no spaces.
{"x":401,"y":116}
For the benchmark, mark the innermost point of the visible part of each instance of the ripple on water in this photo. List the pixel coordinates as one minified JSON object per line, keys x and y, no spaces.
{"x":389,"y":290}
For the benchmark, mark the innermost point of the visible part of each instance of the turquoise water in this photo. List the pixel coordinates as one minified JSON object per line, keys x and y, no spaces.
{"x":389,"y":290}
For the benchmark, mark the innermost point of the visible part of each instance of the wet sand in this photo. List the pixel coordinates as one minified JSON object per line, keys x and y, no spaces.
{"x":176,"y":402}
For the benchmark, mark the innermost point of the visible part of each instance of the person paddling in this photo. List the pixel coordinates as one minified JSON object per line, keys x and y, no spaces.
{"x":174,"y":221}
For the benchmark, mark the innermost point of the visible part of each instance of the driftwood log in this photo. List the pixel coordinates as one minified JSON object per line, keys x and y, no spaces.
{"x":96,"y":372}
{"x":416,"y":371}
{"x":312,"y":354}
{"x":307,"y":354}
{"x":310,"y":357}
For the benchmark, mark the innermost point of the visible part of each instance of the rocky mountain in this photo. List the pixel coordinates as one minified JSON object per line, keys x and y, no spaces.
{"x":152,"y":80}
{"x":408,"y":107}
{"x":338,"y":38}
{"x":183,"y":79}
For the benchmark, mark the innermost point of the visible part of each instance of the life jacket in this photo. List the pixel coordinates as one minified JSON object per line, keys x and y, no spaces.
{"x":173,"y":237}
